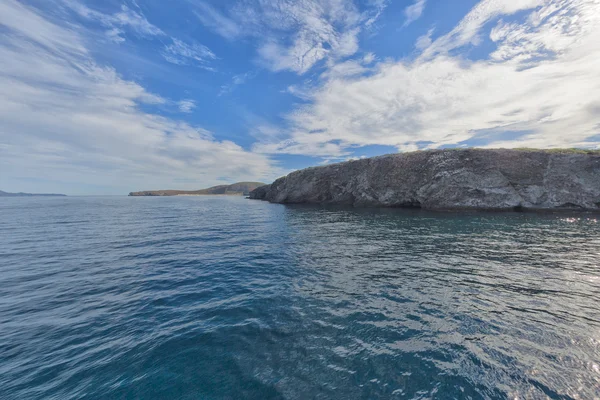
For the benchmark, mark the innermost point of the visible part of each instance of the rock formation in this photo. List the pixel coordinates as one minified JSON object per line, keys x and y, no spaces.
{"x":499,"y":179}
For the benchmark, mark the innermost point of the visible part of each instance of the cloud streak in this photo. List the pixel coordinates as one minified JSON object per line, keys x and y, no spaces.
{"x":176,"y":52}
{"x":180,"y":53}
{"x":116,"y":23}
{"x":294,"y":35}
{"x":215,"y":20}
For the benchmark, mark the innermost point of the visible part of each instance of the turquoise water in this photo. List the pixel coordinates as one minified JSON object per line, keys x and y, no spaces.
{"x":227,"y":298}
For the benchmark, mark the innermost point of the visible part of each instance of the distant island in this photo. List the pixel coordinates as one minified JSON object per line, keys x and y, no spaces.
{"x":21,"y":194}
{"x":236,"y":189}
{"x":483,"y":179}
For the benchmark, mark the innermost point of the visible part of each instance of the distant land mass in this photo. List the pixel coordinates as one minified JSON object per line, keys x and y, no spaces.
{"x":236,"y":189}
{"x":484,"y":179}
{"x":20,"y":194}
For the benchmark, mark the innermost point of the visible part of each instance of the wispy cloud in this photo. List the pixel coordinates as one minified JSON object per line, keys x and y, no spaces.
{"x":65,"y":117}
{"x":116,"y":23}
{"x":414,"y":11}
{"x":134,"y":21}
{"x":215,"y":20}
{"x":295,"y":35}
{"x":320,"y":30}
{"x":181,"y":53}
{"x":540,"y":87}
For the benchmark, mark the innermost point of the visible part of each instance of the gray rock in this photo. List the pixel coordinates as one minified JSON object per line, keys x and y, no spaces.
{"x":449,"y":179}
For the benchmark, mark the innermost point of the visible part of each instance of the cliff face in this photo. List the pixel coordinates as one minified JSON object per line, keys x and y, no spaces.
{"x":449,"y":179}
{"x":236,"y":189}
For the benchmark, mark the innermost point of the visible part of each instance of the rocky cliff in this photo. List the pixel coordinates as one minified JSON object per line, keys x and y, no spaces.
{"x":235,"y":189}
{"x":450,"y":179}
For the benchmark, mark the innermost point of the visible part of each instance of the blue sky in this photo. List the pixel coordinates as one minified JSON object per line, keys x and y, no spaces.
{"x":107,"y":97}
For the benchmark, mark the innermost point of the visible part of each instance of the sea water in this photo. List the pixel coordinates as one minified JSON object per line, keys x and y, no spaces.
{"x":228,"y":298}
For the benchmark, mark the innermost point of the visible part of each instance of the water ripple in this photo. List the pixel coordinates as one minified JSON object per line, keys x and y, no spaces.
{"x":223,"y":298}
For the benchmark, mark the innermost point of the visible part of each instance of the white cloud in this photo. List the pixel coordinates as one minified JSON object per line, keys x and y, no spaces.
{"x":414,"y":11}
{"x":539,"y":88}
{"x":319,"y":30}
{"x":115,"y":35}
{"x":181,"y":53}
{"x":126,"y":18}
{"x":176,"y":52}
{"x":186,"y":106}
{"x":37,"y":29}
{"x":295,"y":35}
{"x":65,"y":118}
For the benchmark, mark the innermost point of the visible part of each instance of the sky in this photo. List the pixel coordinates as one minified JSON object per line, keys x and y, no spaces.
{"x":113,"y":96}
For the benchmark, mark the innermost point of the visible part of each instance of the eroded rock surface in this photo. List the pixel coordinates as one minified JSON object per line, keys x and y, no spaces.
{"x":449,"y":179}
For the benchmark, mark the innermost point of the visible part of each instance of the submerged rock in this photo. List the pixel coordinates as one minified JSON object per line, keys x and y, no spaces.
{"x":499,"y":179}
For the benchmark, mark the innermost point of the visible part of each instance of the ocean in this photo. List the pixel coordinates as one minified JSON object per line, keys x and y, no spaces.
{"x":228,"y":298}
